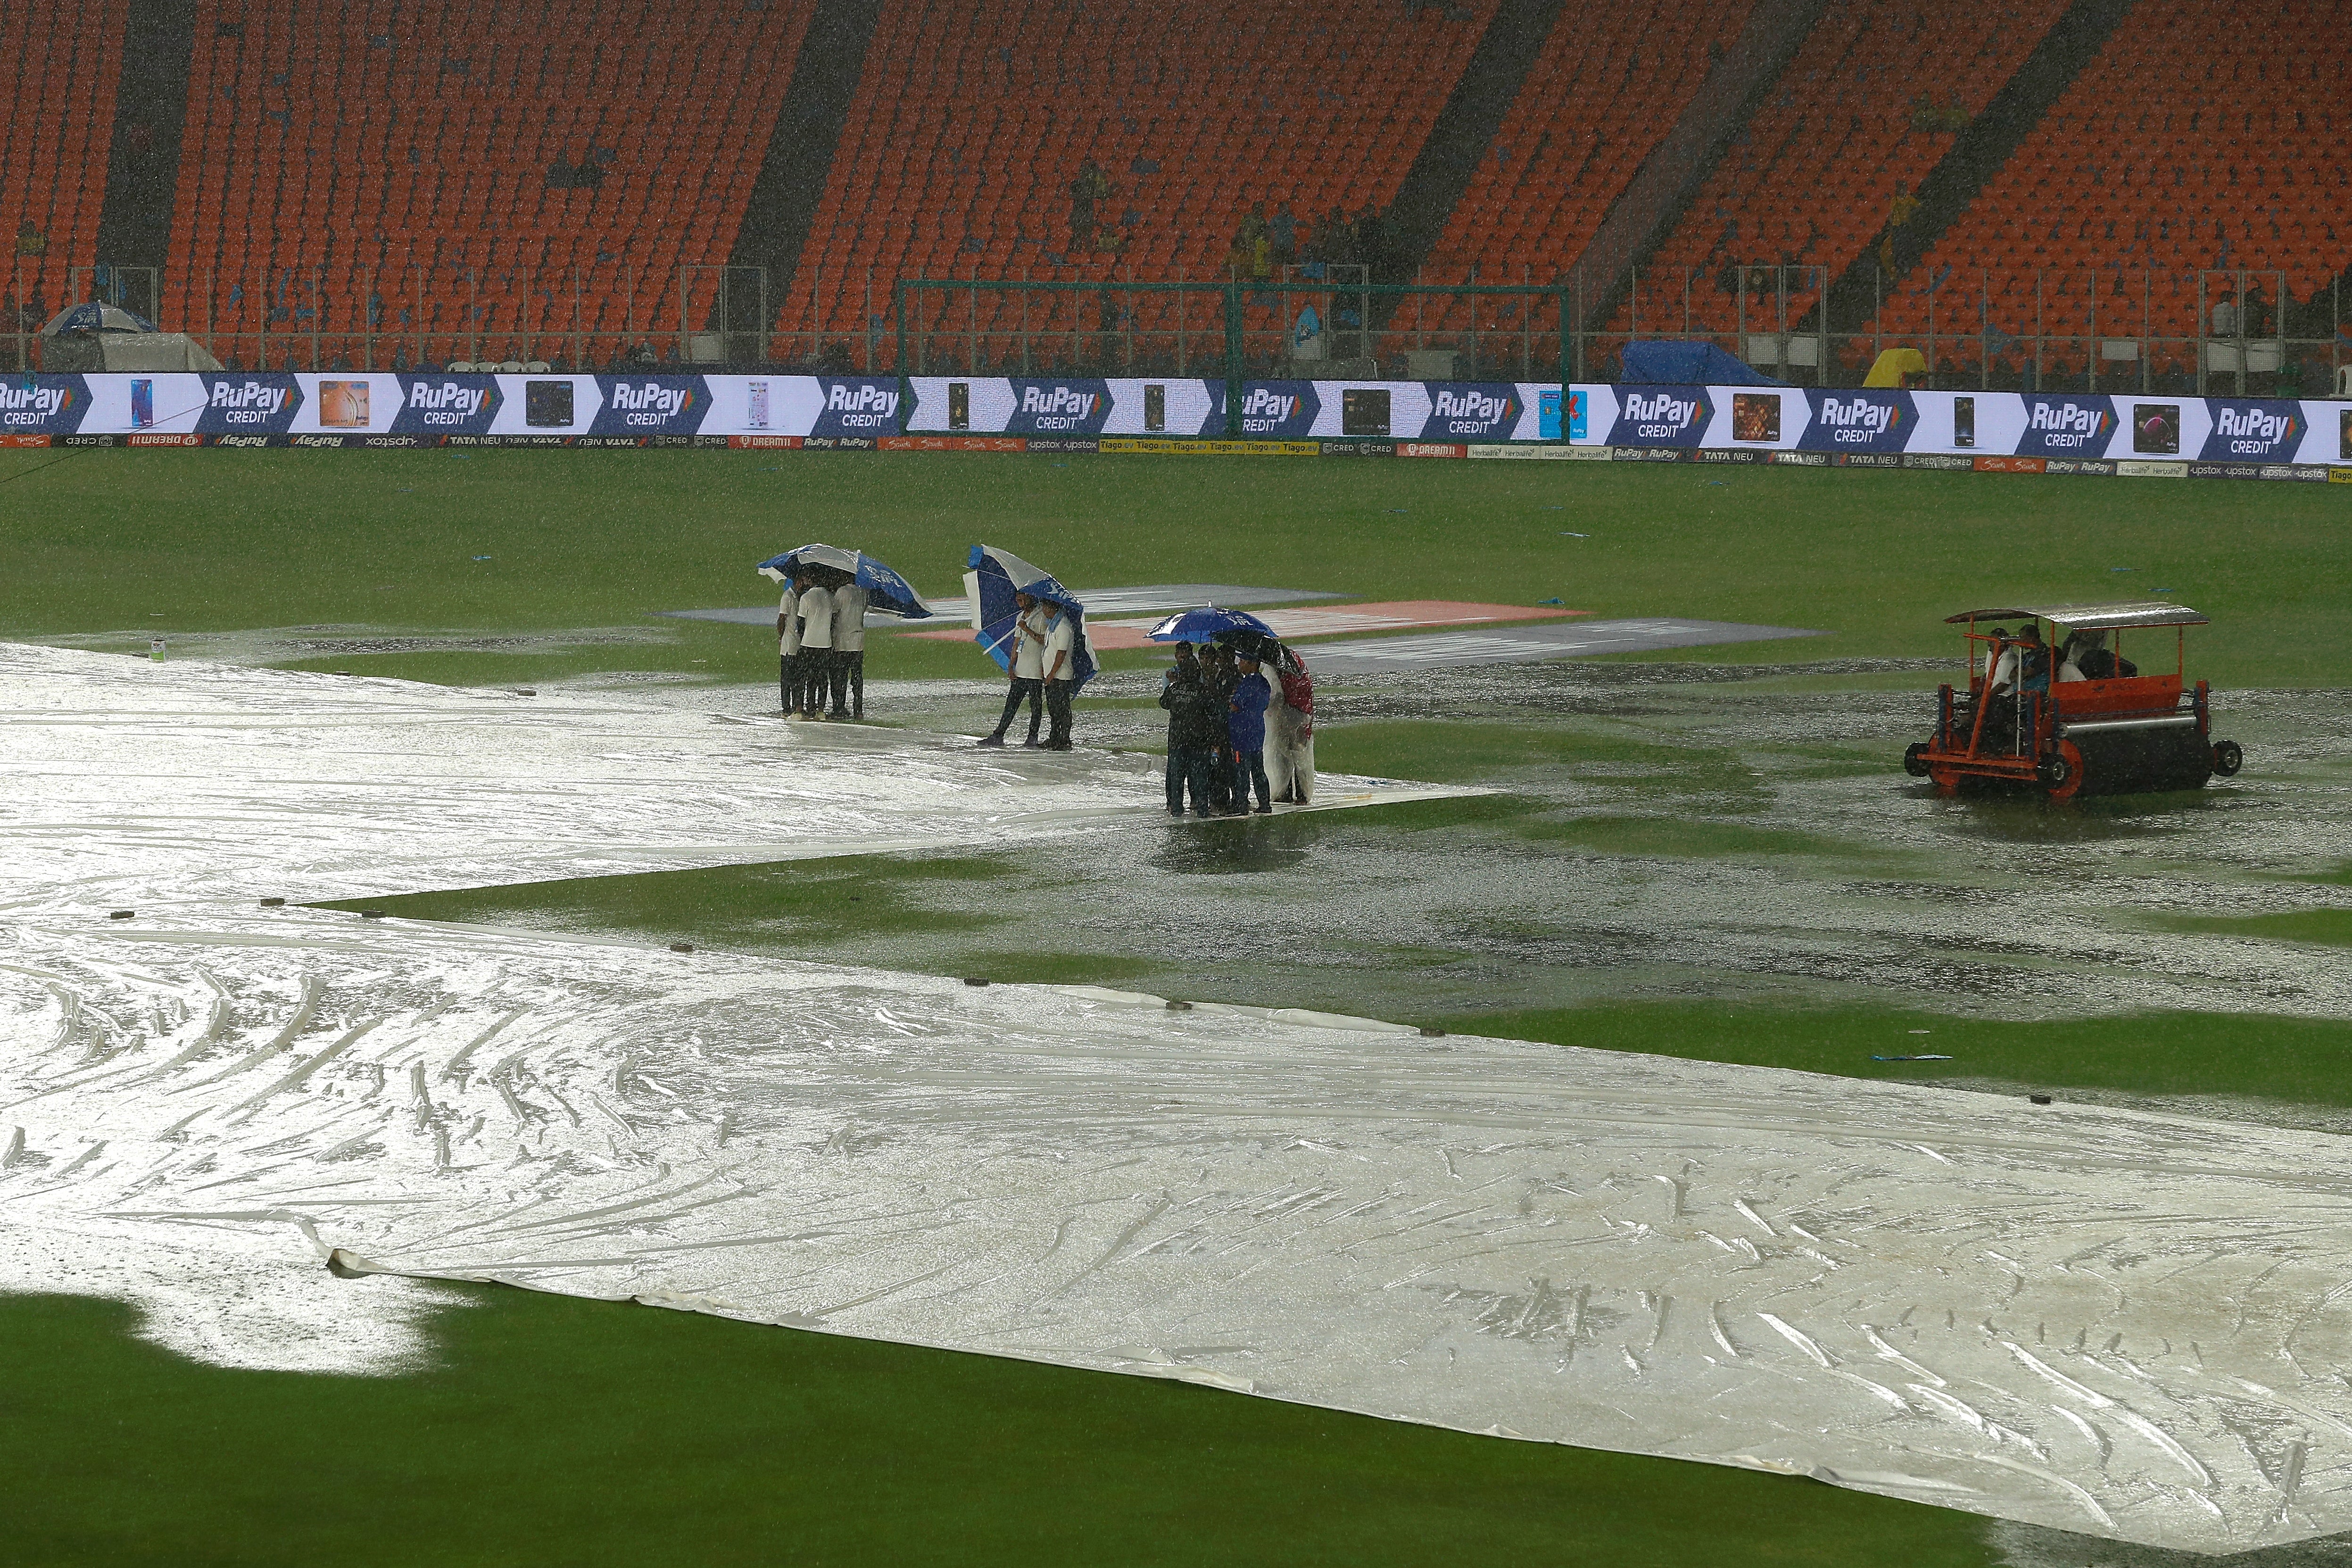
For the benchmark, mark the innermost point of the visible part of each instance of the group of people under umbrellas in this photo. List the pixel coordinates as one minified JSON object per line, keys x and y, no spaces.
{"x":1241,"y":705}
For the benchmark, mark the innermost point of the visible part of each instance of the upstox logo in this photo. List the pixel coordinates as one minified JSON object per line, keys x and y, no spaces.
{"x":252,"y":397}
{"x":1859,"y":415}
{"x":653,"y":397}
{"x":449,"y":398}
{"x":1471,"y":405}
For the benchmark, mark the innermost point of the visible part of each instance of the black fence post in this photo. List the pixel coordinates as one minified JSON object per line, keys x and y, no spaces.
{"x":1234,"y":367}
{"x":905,"y":383}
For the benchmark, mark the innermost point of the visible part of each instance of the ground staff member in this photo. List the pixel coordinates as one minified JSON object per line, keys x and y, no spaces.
{"x":816,"y":648}
{"x":1245,"y":733}
{"x":1290,"y":732}
{"x":1060,"y":660}
{"x":788,"y":646}
{"x":1027,"y":670}
{"x":849,"y":651}
{"x":1192,"y":733}
{"x":1217,"y":681}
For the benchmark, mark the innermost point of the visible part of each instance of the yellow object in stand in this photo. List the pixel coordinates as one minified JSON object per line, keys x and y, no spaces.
{"x":1893,"y":365}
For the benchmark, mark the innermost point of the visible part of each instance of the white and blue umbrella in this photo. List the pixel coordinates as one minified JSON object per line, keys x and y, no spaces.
{"x":94,"y":316}
{"x":1210,"y":623}
{"x":995,"y":575}
{"x":884,"y":590}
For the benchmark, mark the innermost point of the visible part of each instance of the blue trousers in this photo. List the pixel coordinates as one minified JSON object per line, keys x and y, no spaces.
{"x":1249,"y":768}
{"x":1189,"y":765}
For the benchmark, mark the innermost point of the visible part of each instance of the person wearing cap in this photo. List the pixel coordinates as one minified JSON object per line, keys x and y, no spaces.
{"x":1026,"y":670}
{"x":848,"y":651}
{"x":788,"y":647}
{"x":1192,"y":732}
{"x":1290,"y":729}
{"x":1059,"y":657}
{"x":1245,"y":733}
{"x":816,"y":647}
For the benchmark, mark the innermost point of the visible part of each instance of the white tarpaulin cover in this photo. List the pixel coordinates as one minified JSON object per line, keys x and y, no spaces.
{"x":2103,"y":1320}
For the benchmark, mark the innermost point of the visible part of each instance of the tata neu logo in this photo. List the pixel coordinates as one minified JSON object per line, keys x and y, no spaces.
{"x":1058,"y":407}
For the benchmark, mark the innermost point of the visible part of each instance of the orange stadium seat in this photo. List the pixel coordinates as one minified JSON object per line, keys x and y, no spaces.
{"x":60,"y":68}
{"x":2187,"y":146}
{"x":357,"y":145}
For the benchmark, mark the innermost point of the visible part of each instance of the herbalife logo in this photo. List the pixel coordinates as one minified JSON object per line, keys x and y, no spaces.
{"x":1058,"y":401}
{"x":1476,"y":406}
{"x":249,"y":396}
{"x":1661,"y":410}
{"x":447,"y":397}
{"x":1860,"y":413}
{"x":652,"y":397}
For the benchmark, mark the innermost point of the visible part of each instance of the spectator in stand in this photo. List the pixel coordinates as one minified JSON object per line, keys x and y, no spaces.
{"x":2225,"y":315}
{"x":1283,"y":231}
{"x":30,"y":241}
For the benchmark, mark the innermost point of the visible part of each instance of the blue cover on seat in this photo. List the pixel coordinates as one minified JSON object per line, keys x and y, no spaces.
{"x":1689,"y":365}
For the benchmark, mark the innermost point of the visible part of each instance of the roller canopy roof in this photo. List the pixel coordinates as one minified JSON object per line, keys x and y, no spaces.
{"x":2089,"y":618}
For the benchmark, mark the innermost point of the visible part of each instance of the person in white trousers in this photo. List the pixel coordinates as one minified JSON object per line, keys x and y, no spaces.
{"x":1290,"y":730}
{"x":816,"y":648}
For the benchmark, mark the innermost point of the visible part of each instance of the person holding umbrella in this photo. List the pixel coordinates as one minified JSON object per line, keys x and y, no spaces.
{"x":1192,"y":733}
{"x":1060,"y":676}
{"x":1026,"y":672}
{"x":816,"y":644}
{"x":849,"y":602}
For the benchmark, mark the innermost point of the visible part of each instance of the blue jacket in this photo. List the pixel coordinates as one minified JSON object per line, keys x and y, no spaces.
{"x":1246,"y":725}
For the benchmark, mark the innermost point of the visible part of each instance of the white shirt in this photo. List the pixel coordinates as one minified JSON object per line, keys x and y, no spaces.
{"x":789,"y":608}
{"x":1029,"y":645}
{"x":1059,"y":639}
{"x":849,"y":619}
{"x":816,"y":619}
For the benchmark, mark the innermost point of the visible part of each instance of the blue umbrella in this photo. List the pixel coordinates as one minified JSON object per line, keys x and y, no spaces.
{"x":1208,"y":624}
{"x":995,"y":576}
{"x":884,"y":590}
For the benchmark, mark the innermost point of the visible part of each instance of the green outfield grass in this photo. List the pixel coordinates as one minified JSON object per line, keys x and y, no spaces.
{"x":554,"y":1430}
{"x":209,"y":541}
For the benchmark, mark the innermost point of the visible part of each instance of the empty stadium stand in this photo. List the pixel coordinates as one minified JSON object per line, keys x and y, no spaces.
{"x":972,"y":125}
{"x":60,"y":65}
{"x":2199,"y":144}
{"x":1874,"y":98}
{"x":467,"y":173}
